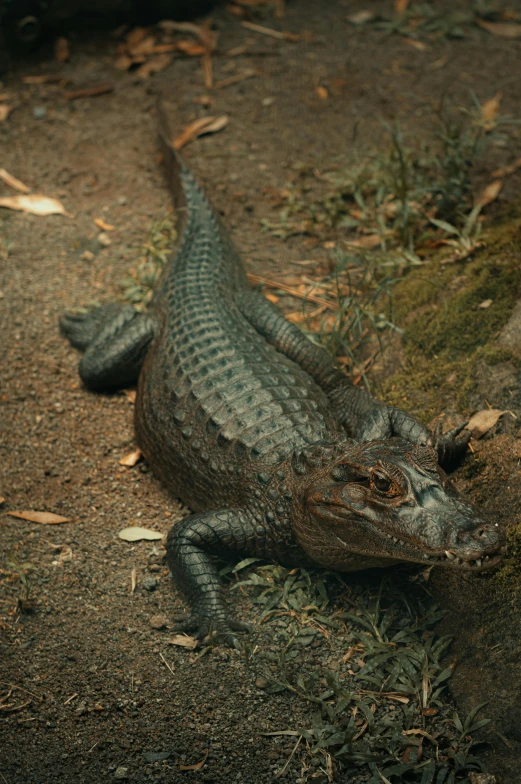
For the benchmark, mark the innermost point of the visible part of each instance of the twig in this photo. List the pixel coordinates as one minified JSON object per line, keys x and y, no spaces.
{"x":269,"y":31}
{"x":206,"y":62}
{"x":294,"y":292}
{"x":70,"y":699}
{"x":88,"y":92}
{"x":283,"y":769}
{"x":167,"y":664}
{"x":234,"y":79}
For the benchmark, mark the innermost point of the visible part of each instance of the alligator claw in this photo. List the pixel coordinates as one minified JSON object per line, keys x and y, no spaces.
{"x":451,"y":449}
{"x":218,"y":632}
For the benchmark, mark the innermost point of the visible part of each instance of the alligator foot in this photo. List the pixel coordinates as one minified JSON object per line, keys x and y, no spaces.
{"x":219,"y":632}
{"x":114,"y":338}
{"x":451,"y":446}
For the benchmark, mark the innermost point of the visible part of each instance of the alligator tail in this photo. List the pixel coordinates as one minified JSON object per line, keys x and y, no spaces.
{"x":173,"y":165}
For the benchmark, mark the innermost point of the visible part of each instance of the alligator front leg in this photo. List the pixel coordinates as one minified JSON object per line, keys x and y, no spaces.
{"x":189,"y":545}
{"x":114,"y":338}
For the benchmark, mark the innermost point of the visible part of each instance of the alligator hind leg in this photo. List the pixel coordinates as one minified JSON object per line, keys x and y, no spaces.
{"x":363,"y":417}
{"x":114,"y":338}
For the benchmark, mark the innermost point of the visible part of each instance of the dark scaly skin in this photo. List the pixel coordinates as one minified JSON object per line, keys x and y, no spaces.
{"x":269,"y":444}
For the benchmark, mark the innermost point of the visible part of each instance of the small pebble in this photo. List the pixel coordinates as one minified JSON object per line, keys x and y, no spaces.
{"x":261,"y":683}
{"x":149,"y":583}
{"x":39,"y":112}
{"x":158,"y":622}
{"x":267,"y":101}
{"x":121,"y":773}
{"x":156,"y":756}
{"x":104,"y":239}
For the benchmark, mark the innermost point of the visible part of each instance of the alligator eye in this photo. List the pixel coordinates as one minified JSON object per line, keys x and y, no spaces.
{"x":381,"y":483}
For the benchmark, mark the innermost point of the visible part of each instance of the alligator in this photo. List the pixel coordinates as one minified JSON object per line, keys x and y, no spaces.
{"x":276,"y":453}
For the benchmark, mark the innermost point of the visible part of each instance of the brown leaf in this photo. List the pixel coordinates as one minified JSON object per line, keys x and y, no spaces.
{"x":62,"y":50}
{"x":322,"y":93}
{"x":143,"y":47}
{"x":34,"y":203}
{"x":88,"y":92}
{"x":13,"y":181}
{"x":2,"y":499}
{"x":43,"y":79}
{"x":368,"y":241}
{"x":198,"y":128}
{"x":361,"y":17}
{"x":100,"y":223}
{"x":130,"y":394}
{"x":136,"y":35}
{"x":131,"y":459}
{"x":504,"y":29}
{"x":485,"y":304}
{"x":202,"y":32}
{"x":183,"y":640}
{"x":419,"y":45}
{"x":490,"y":108}
{"x":5,"y":111}
{"x":490,"y":193}
{"x":155,"y":64}
{"x":400,"y":6}
{"x":47,"y":518}
{"x":483,"y":421}
{"x":190,"y":48}
{"x":198,"y":765}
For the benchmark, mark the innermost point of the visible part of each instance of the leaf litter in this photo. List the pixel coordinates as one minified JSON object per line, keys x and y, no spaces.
{"x":483,"y":421}
{"x":14,"y":182}
{"x":47,"y":518}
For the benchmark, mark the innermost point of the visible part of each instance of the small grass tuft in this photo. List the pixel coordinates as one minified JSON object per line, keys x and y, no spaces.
{"x":138,"y":288}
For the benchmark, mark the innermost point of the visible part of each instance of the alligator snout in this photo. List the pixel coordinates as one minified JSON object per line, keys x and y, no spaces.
{"x":476,"y":545}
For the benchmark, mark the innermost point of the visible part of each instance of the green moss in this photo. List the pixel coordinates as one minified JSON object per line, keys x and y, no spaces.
{"x":511,"y":566}
{"x":446,"y":332}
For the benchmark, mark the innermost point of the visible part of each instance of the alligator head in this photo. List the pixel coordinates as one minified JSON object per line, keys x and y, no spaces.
{"x":383,"y":502}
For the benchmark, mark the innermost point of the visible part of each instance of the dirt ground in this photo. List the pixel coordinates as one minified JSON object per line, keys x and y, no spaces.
{"x":95,"y":690}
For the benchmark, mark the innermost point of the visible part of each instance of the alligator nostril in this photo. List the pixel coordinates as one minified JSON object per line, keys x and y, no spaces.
{"x":482,"y":532}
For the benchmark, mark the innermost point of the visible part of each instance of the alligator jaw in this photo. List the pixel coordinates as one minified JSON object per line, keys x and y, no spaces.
{"x":451,"y":559}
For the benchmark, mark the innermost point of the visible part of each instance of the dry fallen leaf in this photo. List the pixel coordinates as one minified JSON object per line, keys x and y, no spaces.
{"x":368,"y":241}
{"x":361,"y":17}
{"x":155,"y":64}
{"x":13,"y":181}
{"x":47,"y":518}
{"x":400,"y":6}
{"x":5,"y":111}
{"x":198,"y":128}
{"x":136,"y":35}
{"x":322,"y":92}
{"x":88,"y":92}
{"x":62,"y":50}
{"x":145,"y":46}
{"x":490,"y":193}
{"x":504,"y":29}
{"x":183,"y":640}
{"x":198,"y":765}
{"x":483,"y":421}
{"x":135,"y":534}
{"x":131,"y":459}
{"x":489,"y":111}
{"x":34,"y":203}
{"x":191,"y":48}
{"x":133,"y":580}
{"x":485,"y":304}
{"x":100,"y":223}
{"x":419,"y":45}
{"x":130,"y":394}
{"x":281,"y":35}
{"x":2,"y":499}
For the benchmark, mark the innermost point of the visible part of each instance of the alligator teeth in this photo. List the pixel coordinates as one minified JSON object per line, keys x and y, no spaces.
{"x":395,"y":540}
{"x":458,"y":561}
{"x":425,"y":556}
{"x":503,"y":549}
{"x":450,"y":555}
{"x":401,"y":542}
{"x":487,"y":558}
{"x":478,"y":563}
